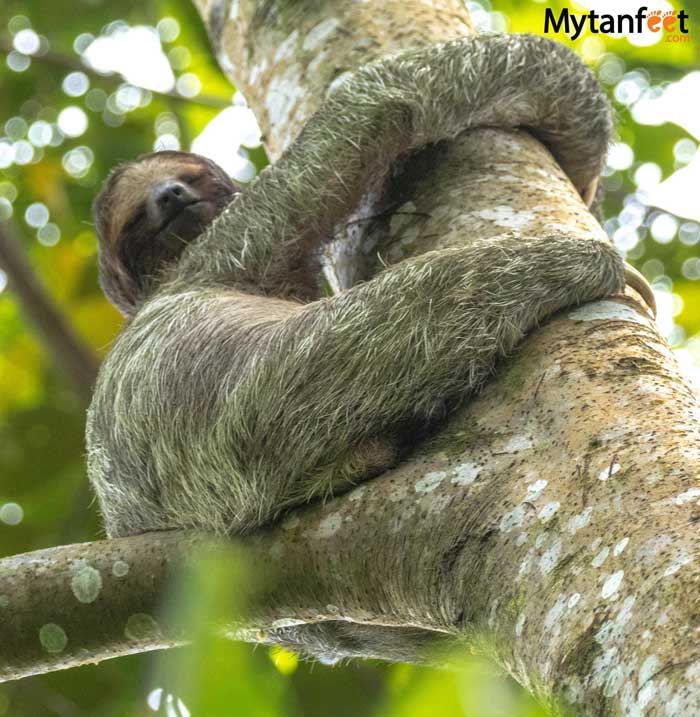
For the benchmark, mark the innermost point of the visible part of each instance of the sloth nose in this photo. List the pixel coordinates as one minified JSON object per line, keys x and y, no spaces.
{"x":171,"y":196}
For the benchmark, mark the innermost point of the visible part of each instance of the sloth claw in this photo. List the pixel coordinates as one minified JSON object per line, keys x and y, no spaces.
{"x":636,"y":281}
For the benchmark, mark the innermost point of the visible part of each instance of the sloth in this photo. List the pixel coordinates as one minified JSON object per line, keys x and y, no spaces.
{"x":236,"y":391}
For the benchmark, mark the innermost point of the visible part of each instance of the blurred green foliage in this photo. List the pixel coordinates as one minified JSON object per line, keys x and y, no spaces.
{"x":43,"y":498}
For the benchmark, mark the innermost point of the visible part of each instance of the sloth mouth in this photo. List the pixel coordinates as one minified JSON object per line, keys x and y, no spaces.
{"x":187,"y":217}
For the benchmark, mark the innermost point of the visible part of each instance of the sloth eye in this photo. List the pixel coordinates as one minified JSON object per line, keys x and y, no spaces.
{"x":190,"y":178}
{"x":137,"y":216}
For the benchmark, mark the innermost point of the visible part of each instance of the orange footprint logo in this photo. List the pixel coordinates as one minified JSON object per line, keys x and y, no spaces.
{"x":656,"y":20}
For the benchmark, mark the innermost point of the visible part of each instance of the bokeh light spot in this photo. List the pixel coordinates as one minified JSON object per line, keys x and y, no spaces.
{"x":16,"y":127}
{"x":653,"y":268}
{"x":5,"y":209}
{"x":611,"y":69}
{"x":96,"y":99}
{"x":620,"y":156}
{"x":24,"y":152}
{"x":17,"y":23}
{"x":168,"y":29}
{"x":165,"y":142}
{"x":26,"y":41}
{"x":7,"y":154}
{"x":684,"y":150}
{"x":82,"y":42}
{"x":626,"y":238}
{"x":48,"y":235}
{"x":166,"y":123}
{"x":11,"y":513}
{"x":40,"y":133}
{"x":647,"y":175}
{"x":689,"y":233}
{"x":36,"y":215}
{"x":691,"y":268}
{"x":77,"y":161}
{"x":17,"y":62}
{"x":663,"y":228}
{"x":72,"y":121}
{"x":76,"y":84}
{"x":188,"y":85}
{"x":127,"y":98}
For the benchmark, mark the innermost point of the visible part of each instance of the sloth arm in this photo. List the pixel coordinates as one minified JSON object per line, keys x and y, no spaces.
{"x":267,"y":237}
{"x":204,"y":384}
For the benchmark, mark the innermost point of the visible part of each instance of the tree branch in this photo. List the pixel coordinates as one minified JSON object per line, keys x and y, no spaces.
{"x":437,"y":544}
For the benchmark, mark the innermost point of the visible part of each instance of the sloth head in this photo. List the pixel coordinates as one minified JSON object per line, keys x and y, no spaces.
{"x":148,"y":211}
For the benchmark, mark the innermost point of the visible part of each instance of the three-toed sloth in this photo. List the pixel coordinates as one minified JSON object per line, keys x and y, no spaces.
{"x":235,"y":391}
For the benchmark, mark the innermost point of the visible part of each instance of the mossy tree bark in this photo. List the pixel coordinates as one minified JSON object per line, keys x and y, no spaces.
{"x":552,"y":523}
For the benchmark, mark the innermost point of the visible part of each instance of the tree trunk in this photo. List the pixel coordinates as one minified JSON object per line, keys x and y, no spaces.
{"x":551,"y":523}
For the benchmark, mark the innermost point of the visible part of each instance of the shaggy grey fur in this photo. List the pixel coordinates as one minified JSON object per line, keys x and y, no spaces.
{"x":219,"y":406}
{"x":222,"y":404}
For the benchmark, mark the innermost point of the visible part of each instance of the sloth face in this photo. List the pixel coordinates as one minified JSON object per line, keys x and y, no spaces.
{"x":148,"y":212}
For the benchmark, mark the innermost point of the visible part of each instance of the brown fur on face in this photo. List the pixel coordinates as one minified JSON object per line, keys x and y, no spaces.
{"x":136,"y":242}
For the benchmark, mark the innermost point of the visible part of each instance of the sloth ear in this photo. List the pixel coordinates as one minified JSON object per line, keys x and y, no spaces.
{"x":116,"y":283}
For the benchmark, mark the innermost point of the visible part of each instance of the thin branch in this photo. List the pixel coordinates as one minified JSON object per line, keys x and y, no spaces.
{"x":75,"y":359}
{"x":67,"y":62}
